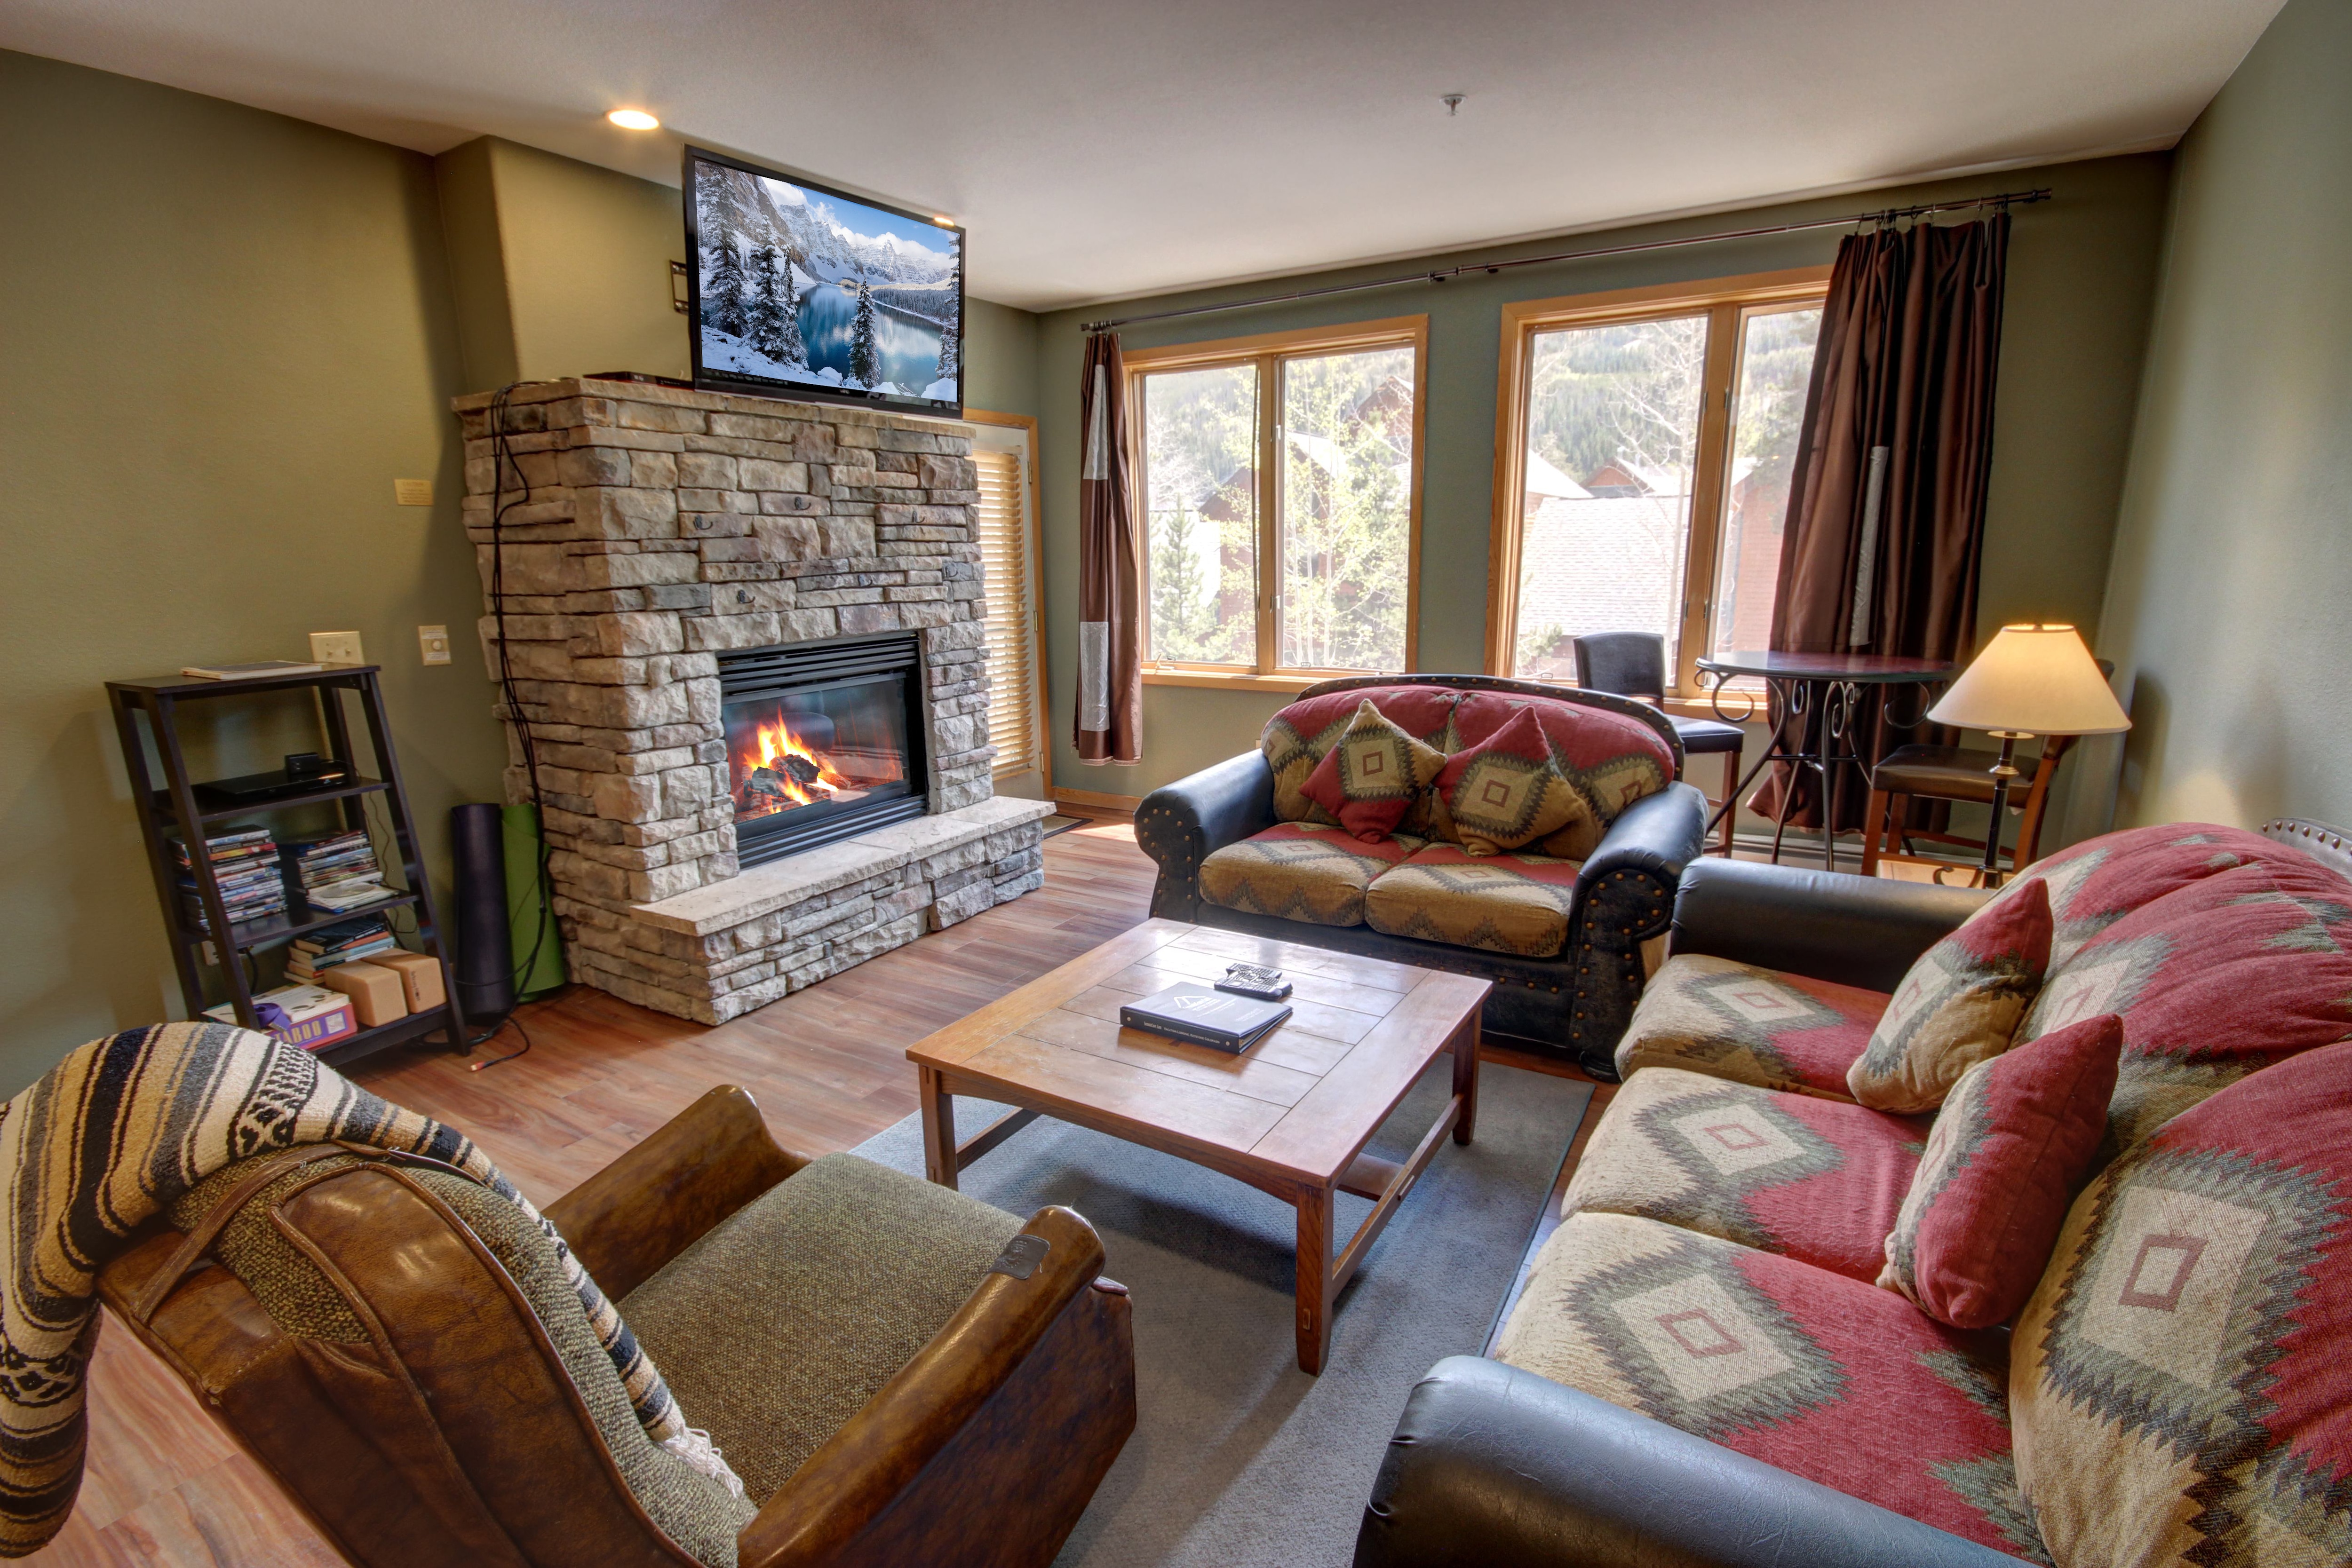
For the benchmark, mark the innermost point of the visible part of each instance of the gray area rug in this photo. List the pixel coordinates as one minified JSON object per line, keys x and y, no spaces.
{"x":1239,"y":1459}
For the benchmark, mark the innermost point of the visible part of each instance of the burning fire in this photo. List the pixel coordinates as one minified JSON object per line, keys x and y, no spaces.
{"x":784,"y":771}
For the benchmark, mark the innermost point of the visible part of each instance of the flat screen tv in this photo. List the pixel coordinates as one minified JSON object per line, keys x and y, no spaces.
{"x":800,"y":291}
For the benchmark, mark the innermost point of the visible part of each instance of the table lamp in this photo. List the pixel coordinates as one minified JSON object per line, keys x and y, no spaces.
{"x":2032,"y":679}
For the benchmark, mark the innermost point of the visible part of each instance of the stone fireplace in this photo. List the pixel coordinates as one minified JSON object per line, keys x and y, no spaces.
{"x":746,"y":639}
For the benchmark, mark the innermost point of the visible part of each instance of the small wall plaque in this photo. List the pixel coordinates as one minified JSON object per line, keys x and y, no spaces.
{"x":413,"y":492}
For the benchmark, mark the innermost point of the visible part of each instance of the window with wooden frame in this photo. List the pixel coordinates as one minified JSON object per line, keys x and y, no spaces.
{"x":1280,"y":481}
{"x":1005,"y":451}
{"x":1643,"y":454}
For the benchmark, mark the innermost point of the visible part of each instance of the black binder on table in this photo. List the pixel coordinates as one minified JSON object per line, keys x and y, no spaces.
{"x":1198,"y":1015}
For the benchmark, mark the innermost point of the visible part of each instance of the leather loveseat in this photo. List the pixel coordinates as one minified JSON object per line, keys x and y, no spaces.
{"x":1567,"y":928}
{"x":1700,"y":1369}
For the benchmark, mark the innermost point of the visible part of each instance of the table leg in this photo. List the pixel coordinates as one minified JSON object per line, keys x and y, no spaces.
{"x":1465,"y":1076}
{"x":1797,"y":759}
{"x":1835,"y":701}
{"x":1730,"y":816}
{"x":1314,"y":1276}
{"x":939,"y":1126}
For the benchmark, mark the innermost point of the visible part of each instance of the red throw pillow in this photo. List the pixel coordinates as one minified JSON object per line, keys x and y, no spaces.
{"x":2014,"y":1140}
{"x":1372,"y":775}
{"x":1506,"y":791}
{"x":1961,"y":1002}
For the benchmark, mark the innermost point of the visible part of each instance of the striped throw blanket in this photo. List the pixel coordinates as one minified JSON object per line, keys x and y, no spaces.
{"x":116,"y":1133}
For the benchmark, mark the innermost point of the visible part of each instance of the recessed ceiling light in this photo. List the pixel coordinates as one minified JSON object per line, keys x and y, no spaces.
{"x":634,"y":120}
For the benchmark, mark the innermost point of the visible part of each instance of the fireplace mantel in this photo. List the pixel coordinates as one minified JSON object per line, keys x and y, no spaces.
{"x":663,"y":527}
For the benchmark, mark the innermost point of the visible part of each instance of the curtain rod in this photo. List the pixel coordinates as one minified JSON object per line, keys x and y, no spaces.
{"x":1884,"y":216}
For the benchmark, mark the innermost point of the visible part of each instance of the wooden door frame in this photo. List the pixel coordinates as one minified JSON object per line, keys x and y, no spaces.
{"x":1034,"y":557}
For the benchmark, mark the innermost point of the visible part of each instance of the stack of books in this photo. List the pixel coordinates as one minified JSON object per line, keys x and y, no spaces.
{"x":344,"y":944}
{"x":339,"y":873}
{"x":244,"y":864}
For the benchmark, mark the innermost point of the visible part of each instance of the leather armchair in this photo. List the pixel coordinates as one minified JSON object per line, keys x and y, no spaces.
{"x":1495,"y":1468}
{"x":453,"y":1433}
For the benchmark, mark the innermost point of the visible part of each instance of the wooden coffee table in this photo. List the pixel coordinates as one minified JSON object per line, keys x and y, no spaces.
{"x":1290,"y":1116}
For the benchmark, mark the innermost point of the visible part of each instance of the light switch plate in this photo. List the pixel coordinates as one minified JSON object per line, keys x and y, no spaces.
{"x":433,"y":642}
{"x":411,"y":491}
{"x":337,"y":648}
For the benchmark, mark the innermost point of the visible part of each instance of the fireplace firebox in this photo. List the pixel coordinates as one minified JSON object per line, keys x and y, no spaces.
{"x":824,"y":741}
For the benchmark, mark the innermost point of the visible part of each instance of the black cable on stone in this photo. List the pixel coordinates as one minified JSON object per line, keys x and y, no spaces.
{"x":503,"y":462}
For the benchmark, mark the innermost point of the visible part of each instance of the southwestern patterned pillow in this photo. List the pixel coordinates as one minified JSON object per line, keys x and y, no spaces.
{"x":1838,"y":1382}
{"x":1958,"y":1005}
{"x":1610,"y":760}
{"x":2179,"y":1389}
{"x":1503,"y":791}
{"x":2002,"y":1164}
{"x":1296,"y":739}
{"x":1749,"y":1025}
{"x":1374,"y":775}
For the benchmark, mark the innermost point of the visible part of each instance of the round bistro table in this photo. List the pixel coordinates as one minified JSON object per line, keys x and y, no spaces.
{"x":1831,"y":683}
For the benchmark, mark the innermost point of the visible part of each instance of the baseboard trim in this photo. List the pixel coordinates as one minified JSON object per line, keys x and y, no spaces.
{"x":1096,"y":798}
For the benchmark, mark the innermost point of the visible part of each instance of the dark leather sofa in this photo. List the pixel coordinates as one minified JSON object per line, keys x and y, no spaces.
{"x":1573,"y":1005}
{"x":1494,"y":1467}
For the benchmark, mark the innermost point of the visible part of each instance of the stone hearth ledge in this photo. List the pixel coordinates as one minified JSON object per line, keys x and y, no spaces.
{"x":796,"y":879}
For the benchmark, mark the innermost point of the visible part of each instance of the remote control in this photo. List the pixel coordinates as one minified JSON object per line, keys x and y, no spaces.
{"x":1254,"y":980}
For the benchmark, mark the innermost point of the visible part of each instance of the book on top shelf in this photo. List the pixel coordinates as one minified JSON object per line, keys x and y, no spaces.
{"x":257,"y":670}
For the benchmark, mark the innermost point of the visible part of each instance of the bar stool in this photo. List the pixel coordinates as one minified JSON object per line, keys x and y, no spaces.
{"x":1911,"y":773}
{"x":1633,"y":665}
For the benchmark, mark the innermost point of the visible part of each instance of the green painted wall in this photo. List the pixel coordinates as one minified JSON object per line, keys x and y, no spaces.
{"x":2233,"y":564}
{"x":587,"y":256}
{"x":2082,"y":276}
{"x":227,"y":332}
{"x":1000,"y":359}
{"x":561,"y":269}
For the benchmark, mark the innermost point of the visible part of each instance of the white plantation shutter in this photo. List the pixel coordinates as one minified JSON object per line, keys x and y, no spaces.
{"x":1012,"y":624}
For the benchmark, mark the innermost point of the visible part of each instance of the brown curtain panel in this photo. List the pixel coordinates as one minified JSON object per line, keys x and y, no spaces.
{"x":1886,"y":505}
{"x":1109,"y":723}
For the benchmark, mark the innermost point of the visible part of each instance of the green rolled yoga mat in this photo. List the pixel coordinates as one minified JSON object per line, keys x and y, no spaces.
{"x":528,"y":917}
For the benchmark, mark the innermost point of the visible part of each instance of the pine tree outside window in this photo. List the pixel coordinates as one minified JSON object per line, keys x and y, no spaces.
{"x":1280,"y":483}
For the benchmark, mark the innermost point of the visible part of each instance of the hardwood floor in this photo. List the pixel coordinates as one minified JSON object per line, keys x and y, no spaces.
{"x":162,"y":1488}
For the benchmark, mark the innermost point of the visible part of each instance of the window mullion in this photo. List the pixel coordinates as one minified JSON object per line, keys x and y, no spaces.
{"x":1708,"y":492}
{"x":1269,"y":514}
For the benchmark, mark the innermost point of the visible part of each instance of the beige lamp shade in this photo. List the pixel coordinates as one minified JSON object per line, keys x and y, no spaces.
{"x":2032,"y":679}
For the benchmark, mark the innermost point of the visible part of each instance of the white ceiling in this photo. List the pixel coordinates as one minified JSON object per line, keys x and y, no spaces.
{"x":1107,"y":148}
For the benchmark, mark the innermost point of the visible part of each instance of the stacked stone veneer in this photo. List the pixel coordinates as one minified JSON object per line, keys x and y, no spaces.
{"x":664,"y":527}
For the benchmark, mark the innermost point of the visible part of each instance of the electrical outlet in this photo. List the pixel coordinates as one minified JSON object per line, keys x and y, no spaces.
{"x":433,"y":642}
{"x":337,"y":648}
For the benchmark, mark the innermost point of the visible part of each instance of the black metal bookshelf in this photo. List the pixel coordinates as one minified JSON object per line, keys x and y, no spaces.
{"x":158,"y":701}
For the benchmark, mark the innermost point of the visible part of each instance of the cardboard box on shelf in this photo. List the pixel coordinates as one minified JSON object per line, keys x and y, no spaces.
{"x":420,"y":977}
{"x":377,"y":993}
